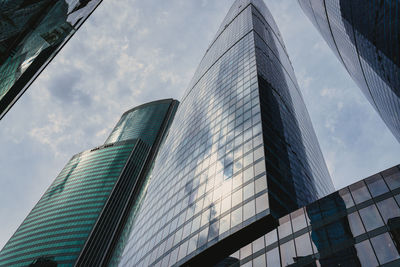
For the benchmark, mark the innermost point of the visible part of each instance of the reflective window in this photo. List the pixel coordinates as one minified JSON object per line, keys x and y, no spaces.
{"x":245,"y":251}
{"x":348,"y":200}
{"x":262,"y":203}
{"x":249,"y":210}
{"x":384,"y":248}
{"x":356,"y":225}
{"x":271,"y":237}
{"x":376,"y":185}
{"x":388,"y":208}
{"x":360,"y":192}
{"x":236,"y":217}
{"x":298,"y":220}
{"x":284,"y":228}
{"x":258,"y":244}
{"x":273,"y":258}
{"x":371,"y":218}
{"x":259,"y":261}
{"x":392,"y":178}
{"x":303,"y":245}
{"x":366,"y":254}
{"x":287,"y":253}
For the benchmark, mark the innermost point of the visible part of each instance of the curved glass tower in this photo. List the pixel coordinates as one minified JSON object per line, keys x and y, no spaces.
{"x":79,"y":219}
{"x":365,"y":37}
{"x":241,"y":151}
{"x":31,"y":34}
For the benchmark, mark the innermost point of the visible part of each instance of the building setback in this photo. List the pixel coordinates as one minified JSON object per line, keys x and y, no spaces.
{"x":241,"y":152}
{"x":31,"y":34}
{"x":80,"y":218}
{"x":358,"y":225}
{"x":365,"y":37}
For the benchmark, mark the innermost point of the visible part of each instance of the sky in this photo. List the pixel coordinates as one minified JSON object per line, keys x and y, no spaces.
{"x":130,"y":52}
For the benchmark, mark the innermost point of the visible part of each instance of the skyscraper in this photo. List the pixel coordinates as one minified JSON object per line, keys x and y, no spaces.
{"x":81,"y":216}
{"x":365,"y":37}
{"x":31,"y":34}
{"x":240,"y":154}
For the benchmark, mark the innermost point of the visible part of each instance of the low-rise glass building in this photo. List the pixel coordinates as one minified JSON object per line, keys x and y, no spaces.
{"x":358,"y":225}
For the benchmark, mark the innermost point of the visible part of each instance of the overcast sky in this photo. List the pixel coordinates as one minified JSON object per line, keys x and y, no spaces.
{"x":130,"y":52}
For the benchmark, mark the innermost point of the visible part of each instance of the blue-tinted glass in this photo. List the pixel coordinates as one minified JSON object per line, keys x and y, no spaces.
{"x":365,"y":254}
{"x":356,"y":225}
{"x":384,"y":248}
{"x":376,"y":185}
{"x":388,"y":208}
{"x":360,"y":192}
{"x":371,"y":218}
{"x":392,"y":178}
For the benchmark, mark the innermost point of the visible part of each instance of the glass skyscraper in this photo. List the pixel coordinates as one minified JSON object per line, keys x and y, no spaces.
{"x":80,"y":218}
{"x":31,"y":34}
{"x":240,"y":154}
{"x":365,"y":37}
{"x":358,"y":225}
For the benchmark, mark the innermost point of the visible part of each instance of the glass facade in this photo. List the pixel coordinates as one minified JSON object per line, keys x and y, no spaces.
{"x":81,"y":216}
{"x":31,"y":34}
{"x":365,"y":36}
{"x":241,"y":151}
{"x":356,"y":226}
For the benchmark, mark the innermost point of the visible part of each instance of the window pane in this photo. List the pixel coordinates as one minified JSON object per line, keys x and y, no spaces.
{"x":348,"y":200}
{"x":356,"y":225}
{"x":261,"y":203}
{"x":392,"y":177}
{"x":249,"y":210}
{"x":258,"y":244}
{"x":371,"y":218}
{"x":259,"y":261}
{"x":287,"y":253}
{"x":298,"y":220}
{"x":271,"y":237}
{"x":388,"y":209}
{"x":245,"y":251}
{"x":360,"y":192}
{"x":376,"y":185}
{"x":273,"y":258}
{"x":284,"y":228}
{"x":366,"y":254}
{"x":384,"y":248}
{"x":236,"y":217}
{"x":303,"y":245}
